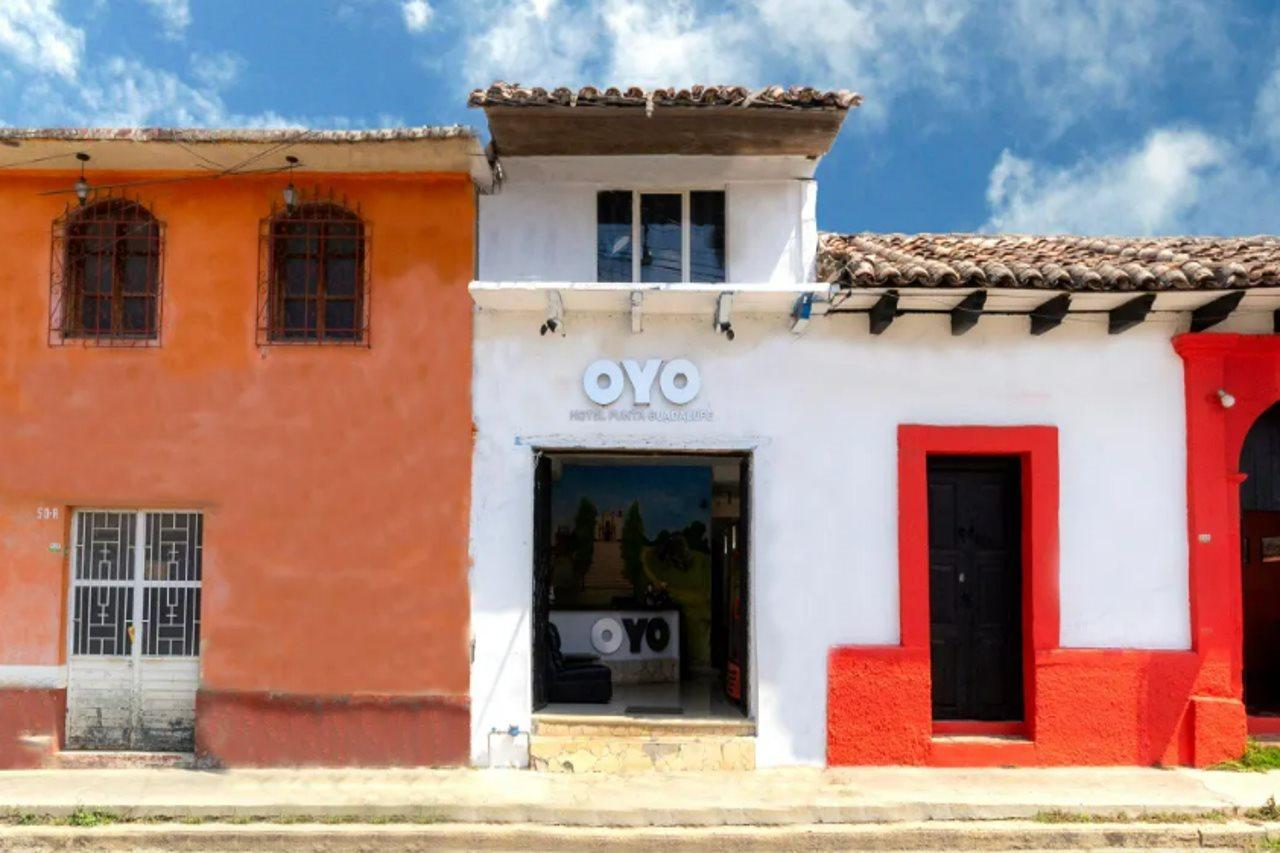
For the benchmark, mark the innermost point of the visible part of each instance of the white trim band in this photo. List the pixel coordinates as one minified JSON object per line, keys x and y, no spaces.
{"x":18,"y":675}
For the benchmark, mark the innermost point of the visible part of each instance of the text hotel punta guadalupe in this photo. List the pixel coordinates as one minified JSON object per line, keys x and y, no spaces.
{"x":707,"y":488}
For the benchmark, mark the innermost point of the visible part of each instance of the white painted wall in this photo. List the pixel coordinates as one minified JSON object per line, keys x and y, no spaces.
{"x":821,"y":413}
{"x":541,"y":224}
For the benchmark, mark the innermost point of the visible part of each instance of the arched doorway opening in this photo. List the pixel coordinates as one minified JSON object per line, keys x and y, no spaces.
{"x":1260,"y":564}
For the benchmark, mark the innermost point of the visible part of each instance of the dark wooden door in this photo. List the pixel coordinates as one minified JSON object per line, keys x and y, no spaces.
{"x":1260,"y":583}
{"x":541,"y":611}
{"x":975,"y":588}
{"x":1260,"y":563}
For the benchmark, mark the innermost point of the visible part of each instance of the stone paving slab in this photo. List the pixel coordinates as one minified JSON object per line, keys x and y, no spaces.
{"x":757,"y":798}
{"x":938,"y":835}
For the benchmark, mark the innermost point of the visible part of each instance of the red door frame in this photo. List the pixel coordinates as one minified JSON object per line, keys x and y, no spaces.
{"x":1247,"y":367}
{"x":1037,"y":448}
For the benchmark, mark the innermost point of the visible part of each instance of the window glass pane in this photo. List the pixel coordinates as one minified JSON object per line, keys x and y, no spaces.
{"x":340,"y":277}
{"x":660,"y":240}
{"x":340,"y":318}
{"x":706,"y":236}
{"x":97,"y":273}
{"x":136,"y":270}
{"x":299,"y":318}
{"x":613,"y":235}
{"x":96,"y":313}
{"x":137,"y":314}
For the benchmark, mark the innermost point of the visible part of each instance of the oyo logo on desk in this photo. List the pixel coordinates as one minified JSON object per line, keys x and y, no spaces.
{"x":605,"y":380}
{"x":607,"y":634}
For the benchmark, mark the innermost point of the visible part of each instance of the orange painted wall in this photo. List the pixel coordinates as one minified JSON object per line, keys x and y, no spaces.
{"x":335,"y":480}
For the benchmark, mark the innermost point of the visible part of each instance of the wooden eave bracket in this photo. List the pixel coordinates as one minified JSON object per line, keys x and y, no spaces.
{"x":883,"y":312}
{"x":965,"y":315}
{"x":1215,"y":311}
{"x":1130,"y":314}
{"x":1049,"y":315}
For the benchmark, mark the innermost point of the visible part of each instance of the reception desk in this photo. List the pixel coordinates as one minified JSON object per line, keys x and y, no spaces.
{"x":638,"y":646}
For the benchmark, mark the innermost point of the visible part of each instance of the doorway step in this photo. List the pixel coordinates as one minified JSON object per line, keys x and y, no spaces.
{"x":573,"y":743}
{"x":110,"y":759}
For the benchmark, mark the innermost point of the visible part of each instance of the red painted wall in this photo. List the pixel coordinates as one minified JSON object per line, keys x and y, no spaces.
{"x":1085,"y":706}
{"x":334,"y":480}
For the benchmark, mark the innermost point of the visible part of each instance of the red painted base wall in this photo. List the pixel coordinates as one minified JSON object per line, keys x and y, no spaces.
{"x":27,"y":714}
{"x":273,"y":730}
{"x":1085,"y":706}
{"x":1092,"y":707}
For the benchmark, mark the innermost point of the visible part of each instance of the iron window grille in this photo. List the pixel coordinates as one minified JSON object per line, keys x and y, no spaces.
{"x":313,"y":281}
{"x":106,"y":278}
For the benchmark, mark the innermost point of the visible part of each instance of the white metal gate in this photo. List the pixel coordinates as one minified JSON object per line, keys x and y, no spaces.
{"x":133,"y":646}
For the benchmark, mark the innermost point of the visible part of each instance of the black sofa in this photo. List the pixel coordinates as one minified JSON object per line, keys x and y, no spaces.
{"x":573,"y":681}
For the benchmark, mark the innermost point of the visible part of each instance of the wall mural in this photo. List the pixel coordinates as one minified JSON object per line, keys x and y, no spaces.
{"x":635,"y":536}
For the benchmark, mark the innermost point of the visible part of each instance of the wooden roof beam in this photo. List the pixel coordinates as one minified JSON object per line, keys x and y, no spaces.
{"x":1215,"y":311}
{"x":884,"y":311}
{"x":965,"y":315}
{"x":1130,"y":314}
{"x":1049,"y":315}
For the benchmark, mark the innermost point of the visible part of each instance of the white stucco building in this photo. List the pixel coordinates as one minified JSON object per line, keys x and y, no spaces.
{"x":961,"y":542}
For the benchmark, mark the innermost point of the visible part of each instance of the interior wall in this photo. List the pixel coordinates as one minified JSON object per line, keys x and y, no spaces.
{"x":820,"y":413}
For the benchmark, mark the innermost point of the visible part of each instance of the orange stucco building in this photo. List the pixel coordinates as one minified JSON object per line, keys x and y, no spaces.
{"x":318,"y":486}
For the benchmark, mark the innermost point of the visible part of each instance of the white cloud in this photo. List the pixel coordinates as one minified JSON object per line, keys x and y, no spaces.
{"x":217,"y":70}
{"x":1073,"y":57}
{"x":1266,"y":112}
{"x":36,"y":36}
{"x":1176,"y":180}
{"x":417,"y":15}
{"x":880,"y":46}
{"x":549,"y":42}
{"x":174,"y":15}
{"x":664,"y":42}
{"x":1062,"y":60}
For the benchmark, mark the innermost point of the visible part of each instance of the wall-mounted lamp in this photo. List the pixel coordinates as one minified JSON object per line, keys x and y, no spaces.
{"x":1225,"y":400}
{"x":81,"y":185}
{"x":290,"y":191}
{"x":555,"y":314}
{"x":724,"y":313}
{"x":801,"y":312}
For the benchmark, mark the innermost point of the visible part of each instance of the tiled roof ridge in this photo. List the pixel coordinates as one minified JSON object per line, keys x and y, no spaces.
{"x":1058,"y":262}
{"x":203,"y":134}
{"x":776,"y":97}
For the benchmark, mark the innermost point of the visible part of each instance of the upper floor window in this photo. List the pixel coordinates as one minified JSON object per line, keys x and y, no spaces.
{"x":314,"y":287}
{"x":106,"y":274}
{"x":680,"y":236}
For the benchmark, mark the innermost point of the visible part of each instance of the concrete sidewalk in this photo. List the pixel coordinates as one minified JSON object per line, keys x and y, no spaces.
{"x":785,"y":797}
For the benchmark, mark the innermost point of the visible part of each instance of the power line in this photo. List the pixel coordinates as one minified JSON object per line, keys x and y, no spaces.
{"x":34,"y":160}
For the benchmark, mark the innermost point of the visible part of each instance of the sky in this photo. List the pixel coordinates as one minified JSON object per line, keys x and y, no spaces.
{"x":1042,"y":116}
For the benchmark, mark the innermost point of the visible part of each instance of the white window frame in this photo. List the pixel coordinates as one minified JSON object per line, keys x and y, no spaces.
{"x":686,"y":226}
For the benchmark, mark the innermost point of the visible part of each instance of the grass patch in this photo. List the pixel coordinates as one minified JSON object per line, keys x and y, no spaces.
{"x":1267,"y":811}
{"x":93,"y":817}
{"x":1257,"y":758}
{"x":1063,"y":816}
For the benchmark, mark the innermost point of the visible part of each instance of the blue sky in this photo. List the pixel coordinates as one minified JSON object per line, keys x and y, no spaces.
{"x":1081,"y":116}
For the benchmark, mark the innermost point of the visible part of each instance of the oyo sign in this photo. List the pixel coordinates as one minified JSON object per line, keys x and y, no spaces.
{"x":605,"y":380}
{"x":607,"y":634}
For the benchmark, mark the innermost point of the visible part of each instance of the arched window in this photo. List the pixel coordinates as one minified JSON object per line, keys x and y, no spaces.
{"x":108,"y":284}
{"x":315,"y":288}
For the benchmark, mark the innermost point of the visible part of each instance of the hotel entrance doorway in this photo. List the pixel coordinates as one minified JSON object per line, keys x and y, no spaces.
{"x":640,"y":585}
